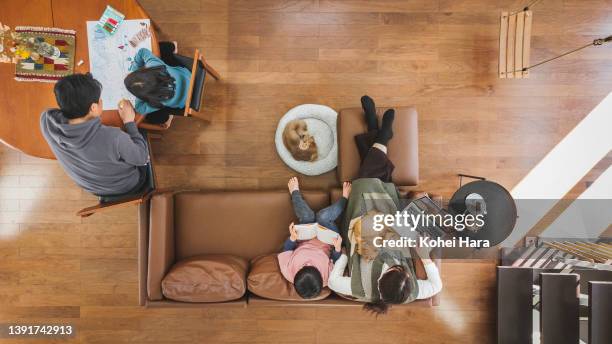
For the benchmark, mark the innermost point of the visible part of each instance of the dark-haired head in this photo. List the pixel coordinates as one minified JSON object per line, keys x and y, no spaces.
{"x":308,"y":282}
{"x":78,"y":95}
{"x":394,"y":288}
{"x":152,"y":85}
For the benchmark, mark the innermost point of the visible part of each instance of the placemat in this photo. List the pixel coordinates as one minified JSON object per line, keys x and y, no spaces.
{"x":46,"y":69}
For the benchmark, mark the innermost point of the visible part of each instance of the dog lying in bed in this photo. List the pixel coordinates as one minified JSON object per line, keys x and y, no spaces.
{"x":299,"y":142}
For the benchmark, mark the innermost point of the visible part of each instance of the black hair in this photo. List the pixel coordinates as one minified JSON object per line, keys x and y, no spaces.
{"x":394,"y":287}
{"x":75,"y":93}
{"x":151,"y":85}
{"x":308,"y":282}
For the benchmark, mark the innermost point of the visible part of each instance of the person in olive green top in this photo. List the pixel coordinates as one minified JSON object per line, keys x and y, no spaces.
{"x":378,"y":276}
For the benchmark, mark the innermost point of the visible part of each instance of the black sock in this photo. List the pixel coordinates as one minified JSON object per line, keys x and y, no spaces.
{"x":369,"y":109}
{"x":166,"y":52}
{"x":158,"y":117}
{"x":386,"y":130}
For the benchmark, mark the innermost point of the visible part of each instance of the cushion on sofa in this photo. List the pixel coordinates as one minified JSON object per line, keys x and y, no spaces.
{"x":206,"y":278}
{"x":265,"y":280}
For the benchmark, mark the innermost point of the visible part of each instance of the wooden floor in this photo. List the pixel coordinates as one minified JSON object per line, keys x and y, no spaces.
{"x":439,"y":55}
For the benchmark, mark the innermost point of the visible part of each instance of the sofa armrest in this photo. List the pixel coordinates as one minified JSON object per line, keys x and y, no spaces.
{"x":161,"y":254}
{"x":435,"y":257}
{"x":143,"y":250}
{"x":420,"y":269}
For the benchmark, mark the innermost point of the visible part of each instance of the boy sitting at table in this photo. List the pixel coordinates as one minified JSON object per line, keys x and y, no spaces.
{"x":103,"y":160}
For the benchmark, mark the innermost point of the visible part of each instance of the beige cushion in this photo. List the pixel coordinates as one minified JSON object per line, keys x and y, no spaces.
{"x":265,"y":280}
{"x":206,"y":278}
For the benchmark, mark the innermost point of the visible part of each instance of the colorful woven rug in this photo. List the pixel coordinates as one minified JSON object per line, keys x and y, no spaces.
{"x":46,"y":69}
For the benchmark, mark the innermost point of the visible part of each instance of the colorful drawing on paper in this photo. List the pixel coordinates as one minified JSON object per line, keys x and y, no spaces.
{"x":110,"y":57}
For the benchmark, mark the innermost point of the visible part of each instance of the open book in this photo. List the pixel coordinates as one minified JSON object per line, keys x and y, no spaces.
{"x":314,"y":230}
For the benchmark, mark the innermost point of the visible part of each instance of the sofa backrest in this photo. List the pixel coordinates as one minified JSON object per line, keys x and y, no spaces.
{"x":242,"y":223}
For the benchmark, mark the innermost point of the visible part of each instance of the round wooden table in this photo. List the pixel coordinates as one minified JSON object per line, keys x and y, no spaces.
{"x":21,"y":103}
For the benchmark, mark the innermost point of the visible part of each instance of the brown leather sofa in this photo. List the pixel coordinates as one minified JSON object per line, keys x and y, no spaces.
{"x":174,"y":226}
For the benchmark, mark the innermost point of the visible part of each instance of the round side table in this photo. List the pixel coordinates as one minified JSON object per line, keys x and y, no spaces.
{"x":500,"y":214}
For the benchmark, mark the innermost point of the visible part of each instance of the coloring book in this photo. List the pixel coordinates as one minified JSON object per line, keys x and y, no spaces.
{"x":110,"y":57}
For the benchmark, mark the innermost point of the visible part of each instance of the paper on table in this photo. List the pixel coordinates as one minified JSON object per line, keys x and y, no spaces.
{"x":110,"y":57}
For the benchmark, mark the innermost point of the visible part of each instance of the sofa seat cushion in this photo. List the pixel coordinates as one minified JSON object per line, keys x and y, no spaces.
{"x":403,"y":148}
{"x":265,"y":280}
{"x":206,"y":278}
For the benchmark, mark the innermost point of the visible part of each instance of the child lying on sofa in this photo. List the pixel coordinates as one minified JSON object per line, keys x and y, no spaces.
{"x":308,"y":263}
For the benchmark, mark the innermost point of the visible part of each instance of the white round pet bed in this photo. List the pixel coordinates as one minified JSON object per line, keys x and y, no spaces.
{"x":321,"y":121}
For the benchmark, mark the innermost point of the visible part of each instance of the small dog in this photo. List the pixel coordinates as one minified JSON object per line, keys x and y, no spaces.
{"x":299,"y":142}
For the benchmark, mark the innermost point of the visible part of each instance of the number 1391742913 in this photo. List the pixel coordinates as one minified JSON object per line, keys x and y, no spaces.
{"x":38,"y":330}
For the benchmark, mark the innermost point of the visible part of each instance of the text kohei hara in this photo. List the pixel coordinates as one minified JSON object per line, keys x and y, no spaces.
{"x":402,"y":219}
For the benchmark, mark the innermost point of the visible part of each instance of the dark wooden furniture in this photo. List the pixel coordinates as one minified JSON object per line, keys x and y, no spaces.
{"x":514,"y":305}
{"x":600,"y":311}
{"x":553,"y":296}
{"x":500,"y":217}
{"x":559,"y":314}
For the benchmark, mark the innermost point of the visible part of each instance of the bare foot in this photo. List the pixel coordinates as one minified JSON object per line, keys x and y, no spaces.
{"x":293,"y":184}
{"x":346,"y":189}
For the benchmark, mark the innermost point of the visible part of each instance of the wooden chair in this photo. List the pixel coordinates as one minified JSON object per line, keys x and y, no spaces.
{"x":199,"y":68}
{"x":515,"y":44}
{"x":116,"y":202}
{"x":86,"y":212}
{"x":195,"y":93}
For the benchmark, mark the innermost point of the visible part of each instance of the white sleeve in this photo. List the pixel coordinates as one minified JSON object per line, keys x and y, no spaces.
{"x":432,"y":285}
{"x":337,"y":282}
